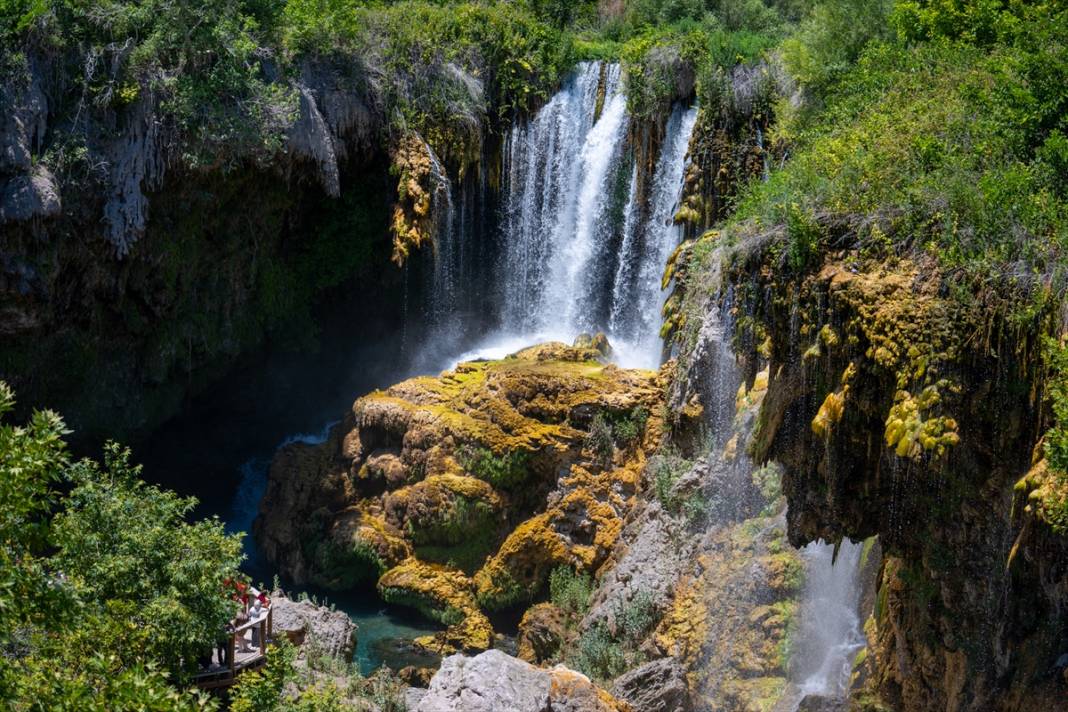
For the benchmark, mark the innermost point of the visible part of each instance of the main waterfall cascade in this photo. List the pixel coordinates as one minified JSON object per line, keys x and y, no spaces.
{"x":576,"y":249}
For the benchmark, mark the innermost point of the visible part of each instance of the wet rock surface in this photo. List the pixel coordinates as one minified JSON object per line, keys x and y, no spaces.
{"x":459,"y":494}
{"x":883,"y":413}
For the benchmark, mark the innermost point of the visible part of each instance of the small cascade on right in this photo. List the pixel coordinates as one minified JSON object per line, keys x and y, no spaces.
{"x":829,"y":635}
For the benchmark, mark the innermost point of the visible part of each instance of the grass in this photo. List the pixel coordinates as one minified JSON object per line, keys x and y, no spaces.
{"x":947,"y":149}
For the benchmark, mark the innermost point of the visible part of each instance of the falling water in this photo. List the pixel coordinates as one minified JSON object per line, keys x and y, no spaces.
{"x":448,"y":245}
{"x":637,"y":297}
{"x":560,"y":169}
{"x":830,"y":634}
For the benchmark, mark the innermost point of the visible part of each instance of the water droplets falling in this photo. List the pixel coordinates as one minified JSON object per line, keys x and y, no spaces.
{"x":829,"y":635}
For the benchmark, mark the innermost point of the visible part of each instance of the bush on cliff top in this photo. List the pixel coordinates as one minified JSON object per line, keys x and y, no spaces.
{"x":958,"y":150}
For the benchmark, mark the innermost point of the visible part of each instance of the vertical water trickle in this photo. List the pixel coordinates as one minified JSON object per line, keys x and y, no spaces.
{"x":637,"y":297}
{"x":447,"y":253}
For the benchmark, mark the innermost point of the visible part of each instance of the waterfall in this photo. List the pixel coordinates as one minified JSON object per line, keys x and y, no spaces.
{"x":830,"y":633}
{"x":637,"y":297}
{"x":558,"y":229}
{"x":448,"y":246}
{"x":580,"y":250}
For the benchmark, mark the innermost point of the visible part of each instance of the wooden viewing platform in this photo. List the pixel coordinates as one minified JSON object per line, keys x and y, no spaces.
{"x":218,"y":674}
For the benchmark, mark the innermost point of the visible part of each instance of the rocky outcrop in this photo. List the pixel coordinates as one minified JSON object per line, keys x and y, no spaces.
{"x":459,"y":494}
{"x":494,"y":681}
{"x":28,"y":196}
{"x":658,"y":686}
{"x":541,"y":633}
{"x":900,"y":411}
{"x":705,"y":555}
{"x":312,"y":627}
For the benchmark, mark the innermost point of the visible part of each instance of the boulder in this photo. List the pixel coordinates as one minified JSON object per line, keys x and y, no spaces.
{"x":28,"y":196}
{"x":657,"y":686}
{"x":541,"y":633}
{"x":307,"y":625}
{"x":494,"y":682}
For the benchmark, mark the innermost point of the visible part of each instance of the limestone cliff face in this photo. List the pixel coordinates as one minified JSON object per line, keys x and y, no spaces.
{"x":137,"y":262}
{"x":895,"y":411}
{"x":459,"y":494}
{"x":141,"y":256}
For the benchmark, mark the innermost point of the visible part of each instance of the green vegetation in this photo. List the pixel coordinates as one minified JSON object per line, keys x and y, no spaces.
{"x":601,"y":441}
{"x":108,"y":594}
{"x":505,"y":471}
{"x":570,"y":591}
{"x":951,"y":147}
{"x":221,"y":72}
{"x":462,"y":535}
{"x":283,"y":687}
{"x":612,"y":429}
{"x":599,"y":654}
{"x":666,"y":468}
{"x":1055,"y":506}
{"x":603,"y":653}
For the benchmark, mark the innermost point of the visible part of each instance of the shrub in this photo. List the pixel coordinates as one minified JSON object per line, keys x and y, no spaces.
{"x":667,"y":468}
{"x":637,"y":618}
{"x":829,"y":40}
{"x":570,"y":591}
{"x":629,"y":426}
{"x":601,"y":440}
{"x":504,"y":471}
{"x":599,"y":654}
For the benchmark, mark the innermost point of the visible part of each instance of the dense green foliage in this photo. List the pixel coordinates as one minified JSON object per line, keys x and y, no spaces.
{"x":507,"y":470}
{"x":603,"y":652}
{"x":941,"y":147}
{"x":222,"y":72}
{"x":107,"y":595}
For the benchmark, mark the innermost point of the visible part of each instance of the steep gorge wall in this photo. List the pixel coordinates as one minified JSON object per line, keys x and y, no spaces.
{"x":897,"y":411}
{"x":138,"y":262}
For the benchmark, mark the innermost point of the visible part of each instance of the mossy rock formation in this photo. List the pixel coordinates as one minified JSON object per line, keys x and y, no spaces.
{"x":460,"y":493}
{"x":899,"y":410}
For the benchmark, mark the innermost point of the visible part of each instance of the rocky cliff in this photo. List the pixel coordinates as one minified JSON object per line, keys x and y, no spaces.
{"x":899,"y":411}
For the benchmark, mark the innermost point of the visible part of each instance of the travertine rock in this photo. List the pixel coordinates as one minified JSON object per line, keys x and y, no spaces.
{"x":657,"y":686}
{"x":310,"y":626}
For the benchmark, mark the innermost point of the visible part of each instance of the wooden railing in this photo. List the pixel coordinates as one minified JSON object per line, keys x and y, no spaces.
{"x":238,"y":661}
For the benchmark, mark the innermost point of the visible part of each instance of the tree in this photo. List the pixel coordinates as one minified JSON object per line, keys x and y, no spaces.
{"x":31,"y":460}
{"x":106,"y":604}
{"x":127,"y":544}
